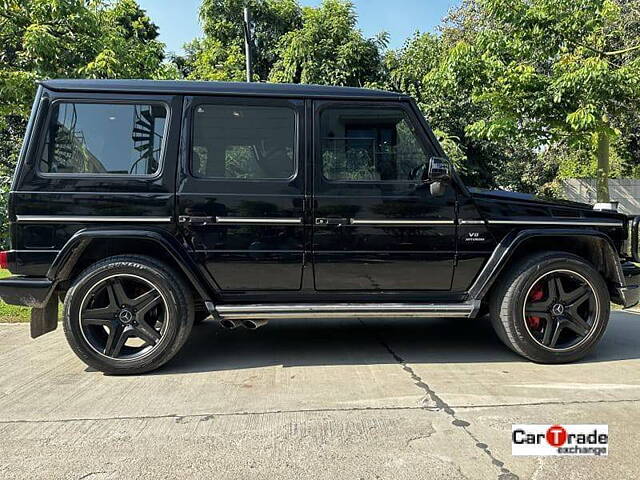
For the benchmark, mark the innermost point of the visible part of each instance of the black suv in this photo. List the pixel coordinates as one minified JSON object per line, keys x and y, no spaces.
{"x":148,"y":206}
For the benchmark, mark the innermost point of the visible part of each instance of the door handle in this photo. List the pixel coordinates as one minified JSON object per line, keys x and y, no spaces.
{"x":196,"y":220}
{"x":332,"y":221}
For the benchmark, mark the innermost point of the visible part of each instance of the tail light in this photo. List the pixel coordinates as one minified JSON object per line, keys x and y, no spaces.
{"x":4,"y":261}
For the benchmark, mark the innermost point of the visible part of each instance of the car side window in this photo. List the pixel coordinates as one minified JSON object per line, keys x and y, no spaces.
{"x":243,"y":142}
{"x":370,"y":144}
{"x":104,"y":139}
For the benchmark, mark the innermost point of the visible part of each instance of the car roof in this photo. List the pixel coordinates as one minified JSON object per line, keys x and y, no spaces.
{"x":219,"y":88}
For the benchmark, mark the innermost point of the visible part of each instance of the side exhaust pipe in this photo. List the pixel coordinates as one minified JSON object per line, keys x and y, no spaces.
{"x":229,"y":324}
{"x":254,"y":324}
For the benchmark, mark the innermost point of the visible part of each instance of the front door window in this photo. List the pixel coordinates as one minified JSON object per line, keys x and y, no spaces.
{"x":369,"y":145}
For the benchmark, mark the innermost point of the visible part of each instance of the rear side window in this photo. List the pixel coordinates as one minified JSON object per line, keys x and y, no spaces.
{"x":243,"y":142}
{"x":104,"y":139}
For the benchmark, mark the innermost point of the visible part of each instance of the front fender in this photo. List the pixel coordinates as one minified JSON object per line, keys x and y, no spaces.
{"x":503,"y":253}
{"x":72,"y":251}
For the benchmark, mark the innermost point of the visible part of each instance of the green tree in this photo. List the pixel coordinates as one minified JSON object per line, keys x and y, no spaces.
{"x":220,"y":54}
{"x":328,"y":49}
{"x":289,"y":44}
{"x":209,"y":59}
{"x":71,"y":38}
{"x":42,"y":39}
{"x":562,"y":71}
{"x":441,"y":72}
{"x":128,"y":45}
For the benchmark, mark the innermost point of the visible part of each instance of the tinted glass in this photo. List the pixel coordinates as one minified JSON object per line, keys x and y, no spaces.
{"x":243,"y":142}
{"x":104,"y":139}
{"x":370,"y":144}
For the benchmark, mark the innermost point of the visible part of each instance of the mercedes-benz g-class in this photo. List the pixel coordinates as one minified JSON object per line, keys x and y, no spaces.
{"x":147,"y":206}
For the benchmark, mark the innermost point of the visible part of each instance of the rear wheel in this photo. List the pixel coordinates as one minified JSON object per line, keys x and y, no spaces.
{"x":552,"y":307}
{"x":127,"y":314}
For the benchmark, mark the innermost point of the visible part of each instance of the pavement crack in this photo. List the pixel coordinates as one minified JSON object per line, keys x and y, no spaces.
{"x":441,"y":405}
{"x":204,"y":417}
{"x":550,"y":402}
{"x":415,"y":438}
{"x":90,"y":474}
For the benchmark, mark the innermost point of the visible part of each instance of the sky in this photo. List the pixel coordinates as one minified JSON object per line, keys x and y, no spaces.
{"x":178,"y":19}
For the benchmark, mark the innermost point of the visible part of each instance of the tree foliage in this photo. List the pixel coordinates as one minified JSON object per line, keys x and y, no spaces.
{"x":442,"y":72}
{"x":561,"y":70}
{"x":71,"y":38}
{"x":520,"y":92}
{"x":223,"y":42}
{"x":42,"y":39}
{"x":531,"y":88}
{"x":289,"y":43}
{"x":328,"y":49}
{"x":211,"y":60}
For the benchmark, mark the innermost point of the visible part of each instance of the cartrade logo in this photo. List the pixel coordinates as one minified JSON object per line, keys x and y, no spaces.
{"x":556,"y":436}
{"x":560,"y":440}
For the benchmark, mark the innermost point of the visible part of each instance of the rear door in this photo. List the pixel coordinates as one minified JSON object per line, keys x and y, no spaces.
{"x":96,"y":159}
{"x":241,"y":191}
{"x":376,"y":225}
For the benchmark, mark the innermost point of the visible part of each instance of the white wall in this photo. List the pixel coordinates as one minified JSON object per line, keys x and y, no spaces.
{"x":624,"y":190}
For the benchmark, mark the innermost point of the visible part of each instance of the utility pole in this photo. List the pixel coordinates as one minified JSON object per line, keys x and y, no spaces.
{"x":247,"y":43}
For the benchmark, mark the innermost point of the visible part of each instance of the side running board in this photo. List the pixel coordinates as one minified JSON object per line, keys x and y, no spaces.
{"x":268,"y":311}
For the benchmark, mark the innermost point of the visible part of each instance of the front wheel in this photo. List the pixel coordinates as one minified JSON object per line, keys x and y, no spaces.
{"x":552,"y":307}
{"x":127,"y":314}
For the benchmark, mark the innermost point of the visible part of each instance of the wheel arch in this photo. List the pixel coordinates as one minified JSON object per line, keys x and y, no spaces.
{"x":592,"y":245}
{"x":91,"y":245}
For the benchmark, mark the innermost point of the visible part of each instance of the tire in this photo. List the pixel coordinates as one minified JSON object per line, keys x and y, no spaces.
{"x":156,"y":299}
{"x":531,"y":286}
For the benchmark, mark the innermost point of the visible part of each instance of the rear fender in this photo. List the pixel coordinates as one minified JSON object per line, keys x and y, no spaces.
{"x":76,"y":246}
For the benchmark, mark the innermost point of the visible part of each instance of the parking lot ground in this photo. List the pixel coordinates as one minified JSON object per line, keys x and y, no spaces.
{"x":335,"y":399}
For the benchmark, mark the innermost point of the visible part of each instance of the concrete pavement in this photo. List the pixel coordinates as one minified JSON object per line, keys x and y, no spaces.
{"x":371,"y":399}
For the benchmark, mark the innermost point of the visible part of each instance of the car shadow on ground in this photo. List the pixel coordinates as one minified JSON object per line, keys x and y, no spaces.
{"x":308,"y":342}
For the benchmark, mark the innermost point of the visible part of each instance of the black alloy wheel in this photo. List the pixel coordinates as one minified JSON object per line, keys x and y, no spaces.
{"x":123,"y":316}
{"x":550,"y":307}
{"x":560,"y":310}
{"x":128,"y":314}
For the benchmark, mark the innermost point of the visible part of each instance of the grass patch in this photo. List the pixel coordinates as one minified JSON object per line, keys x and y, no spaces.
{"x":12,"y":313}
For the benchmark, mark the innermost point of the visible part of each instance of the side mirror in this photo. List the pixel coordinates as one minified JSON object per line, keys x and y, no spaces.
{"x":437,"y":175}
{"x":439,"y":170}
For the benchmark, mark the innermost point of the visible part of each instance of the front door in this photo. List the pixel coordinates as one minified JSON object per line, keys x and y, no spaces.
{"x":241,"y":191}
{"x":376,"y":225}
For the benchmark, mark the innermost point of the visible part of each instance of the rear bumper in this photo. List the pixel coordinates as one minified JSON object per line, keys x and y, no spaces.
{"x":629,"y":293}
{"x":27,"y":291}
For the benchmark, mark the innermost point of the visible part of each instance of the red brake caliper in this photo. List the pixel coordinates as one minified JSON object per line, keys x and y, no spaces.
{"x":536,"y":295}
